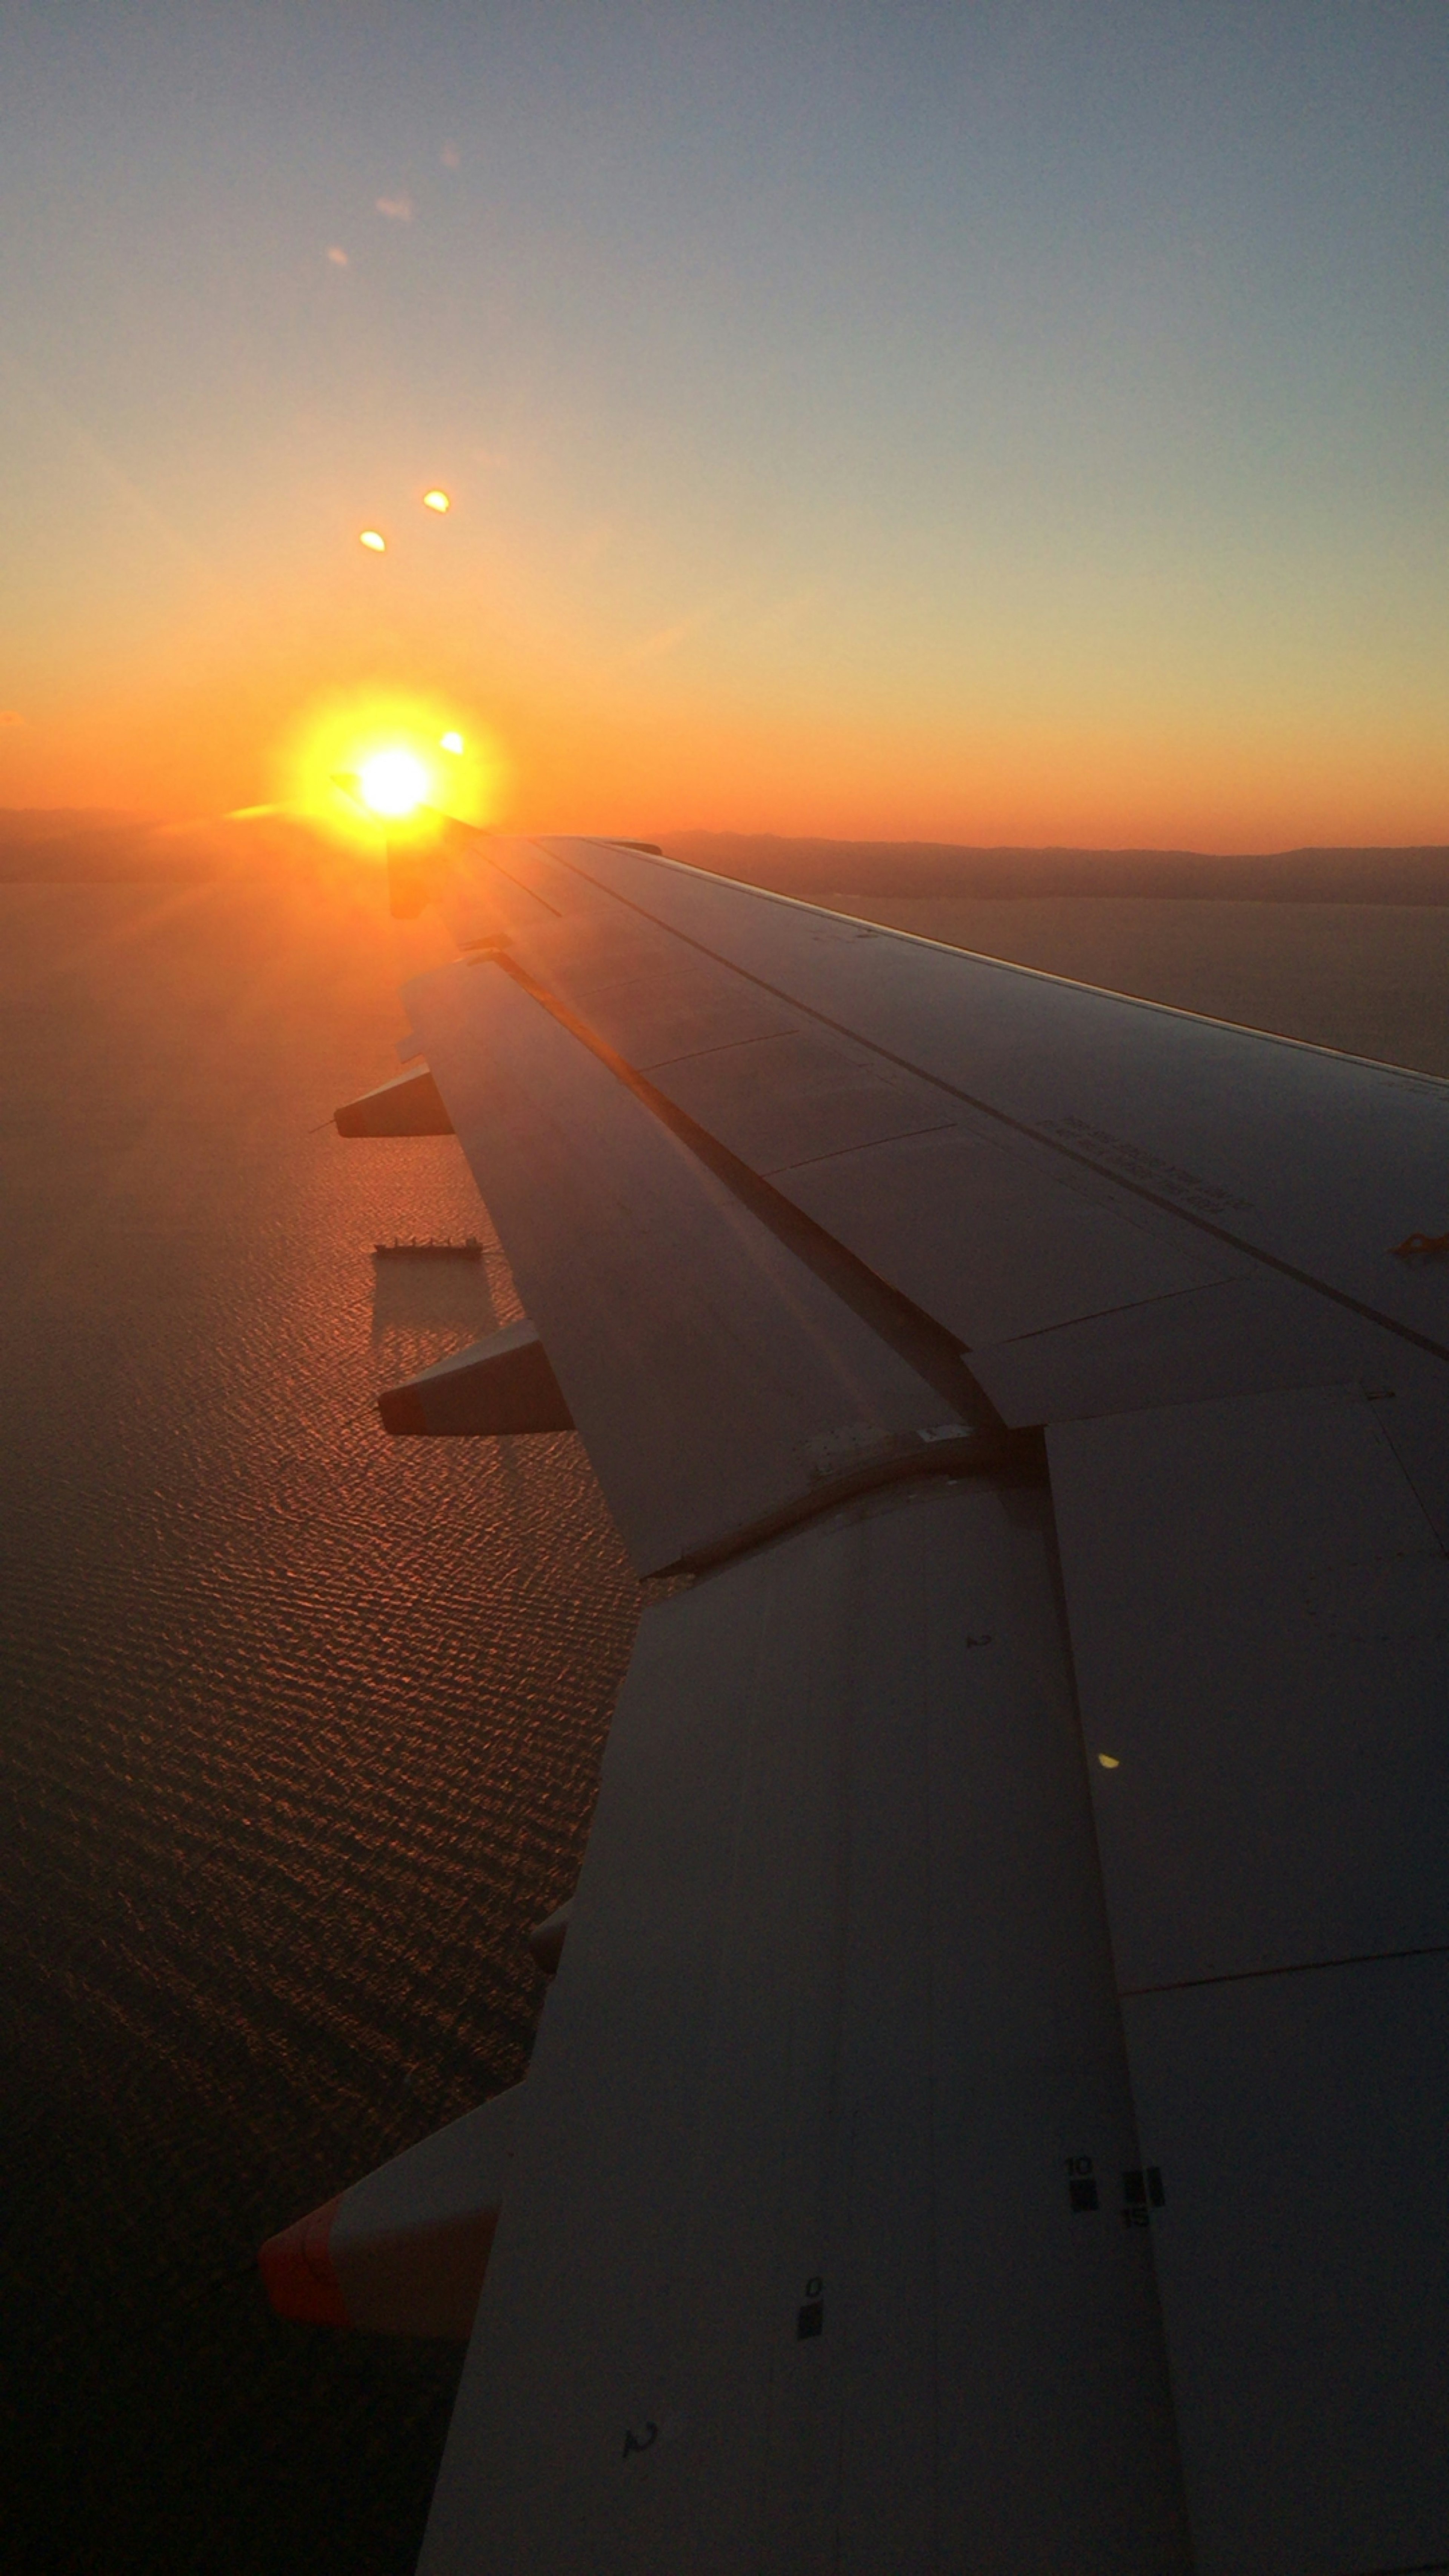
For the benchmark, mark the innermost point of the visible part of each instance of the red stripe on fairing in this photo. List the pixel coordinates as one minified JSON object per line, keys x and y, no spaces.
{"x":297,"y":2271}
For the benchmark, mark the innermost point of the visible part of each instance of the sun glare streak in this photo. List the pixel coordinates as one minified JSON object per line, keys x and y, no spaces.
{"x":436,"y":500}
{"x":446,"y":742}
{"x":374,"y":543}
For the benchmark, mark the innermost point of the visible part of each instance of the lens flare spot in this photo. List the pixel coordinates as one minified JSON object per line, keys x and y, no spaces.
{"x":436,"y":500}
{"x":393,"y":783}
{"x":375,"y":544}
{"x":452,"y":742}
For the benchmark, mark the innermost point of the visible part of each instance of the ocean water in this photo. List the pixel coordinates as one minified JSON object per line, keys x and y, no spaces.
{"x":300,"y":1727}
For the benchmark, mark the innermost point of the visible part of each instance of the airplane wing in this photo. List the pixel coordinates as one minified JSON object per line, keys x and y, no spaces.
{"x":990,"y":2112}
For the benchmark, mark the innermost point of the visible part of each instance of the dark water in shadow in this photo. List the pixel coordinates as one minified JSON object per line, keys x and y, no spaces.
{"x":300,"y":1726}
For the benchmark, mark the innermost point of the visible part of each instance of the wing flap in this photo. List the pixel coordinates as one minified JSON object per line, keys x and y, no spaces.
{"x":791,"y":2275}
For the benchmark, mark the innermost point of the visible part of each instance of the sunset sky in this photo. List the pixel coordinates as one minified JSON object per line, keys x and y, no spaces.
{"x":973,"y":422}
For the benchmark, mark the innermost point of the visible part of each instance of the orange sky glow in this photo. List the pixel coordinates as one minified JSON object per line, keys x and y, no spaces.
{"x":899,"y":448}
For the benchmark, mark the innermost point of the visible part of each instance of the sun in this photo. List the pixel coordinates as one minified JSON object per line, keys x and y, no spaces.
{"x":393,"y":783}
{"x":376,"y":763}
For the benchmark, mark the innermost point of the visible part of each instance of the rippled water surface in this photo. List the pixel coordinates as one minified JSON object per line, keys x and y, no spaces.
{"x":300,"y":1726}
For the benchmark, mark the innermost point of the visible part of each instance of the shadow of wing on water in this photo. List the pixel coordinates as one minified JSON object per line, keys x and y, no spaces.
{"x":423,"y":1308}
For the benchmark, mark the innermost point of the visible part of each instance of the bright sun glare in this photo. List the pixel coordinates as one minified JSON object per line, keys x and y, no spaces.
{"x":402,"y":758}
{"x":393,"y":783}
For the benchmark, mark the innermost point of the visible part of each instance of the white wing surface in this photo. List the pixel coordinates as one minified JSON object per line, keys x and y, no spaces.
{"x":793,"y":2275}
{"x":990,"y":2113}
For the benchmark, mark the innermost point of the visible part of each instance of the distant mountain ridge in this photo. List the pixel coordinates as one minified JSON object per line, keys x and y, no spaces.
{"x":818,"y":869}
{"x":40,"y":845}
